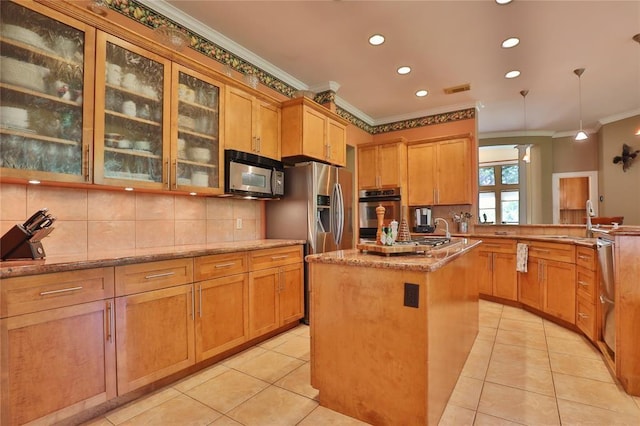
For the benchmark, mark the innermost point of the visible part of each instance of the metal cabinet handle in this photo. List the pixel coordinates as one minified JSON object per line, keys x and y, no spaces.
{"x":168,"y":166}
{"x":86,"y":156}
{"x":109,"y":322}
{"x":279,"y":257}
{"x":582,"y":256}
{"x":259,"y":140}
{"x":582,"y":283}
{"x":581,"y":315}
{"x":200,"y":302}
{"x":62,"y":290}
{"x":193,"y":302}
{"x":225,"y":265}
{"x":164,"y":274}
{"x":175,"y":177}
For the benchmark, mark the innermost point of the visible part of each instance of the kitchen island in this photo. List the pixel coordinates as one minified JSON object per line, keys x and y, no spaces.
{"x":390,"y":335}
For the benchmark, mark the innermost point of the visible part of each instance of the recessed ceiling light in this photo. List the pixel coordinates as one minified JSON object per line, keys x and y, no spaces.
{"x":422,"y":93}
{"x":376,"y":39}
{"x":404,"y":70}
{"x":512,"y":74}
{"x":511,"y":42}
{"x":503,"y":1}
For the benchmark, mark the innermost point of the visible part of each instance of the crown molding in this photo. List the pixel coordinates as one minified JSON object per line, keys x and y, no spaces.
{"x":517,"y":134}
{"x":618,"y":117}
{"x":423,"y":113}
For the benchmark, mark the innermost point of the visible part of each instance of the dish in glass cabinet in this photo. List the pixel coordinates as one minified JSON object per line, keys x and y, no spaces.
{"x":24,"y":35}
{"x":23,"y":74}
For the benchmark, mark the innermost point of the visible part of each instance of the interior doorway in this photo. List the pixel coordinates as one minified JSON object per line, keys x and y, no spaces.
{"x":570,"y":194}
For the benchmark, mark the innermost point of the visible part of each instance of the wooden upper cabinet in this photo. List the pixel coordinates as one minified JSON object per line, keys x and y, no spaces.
{"x":251,"y":124}
{"x":311,"y":131}
{"x":47,"y":84}
{"x":382,"y":165}
{"x":574,"y":193}
{"x":440,"y":172}
{"x":132,"y":126}
{"x":196,"y":153}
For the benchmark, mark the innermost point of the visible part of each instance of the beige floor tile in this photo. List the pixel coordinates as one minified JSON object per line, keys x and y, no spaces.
{"x":519,"y":325}
{"x":180,"y":410}
{"x":489,"y":318}
{"x":270,"y":366}
{"x":296,"y":346}
{"x":299,"y":381}
{"x":593,"y":392}
{"x":273,"y":406}
{"x":589,"y":368}
{"x":100,"y":421}
{"x":481,"y":347}
{"x":487,"y":333}
{"x":637,"y":400}
{"x":486,"y":305}
{"x":322,"y":416}
{"x":227,"y":390}
{"x":509,"y":312}
{"x":529,"y":339}
{"x":518,"y":405}
{"x":554,"y":330}
{"x":456,"y":416}
{"x":243,"y":356}
{"x":476,"y":366}
{"x":487,"y":420}
{"x":466,"y":394}
{"x":574,"y":413}
{"x":140,"y":405}
{"x":225,"y":421}
{"x":302,"y":330}
{"x":277,"y":340}
{"x":573,"y":347}
{"x":530,"y":357}
{"x":520,"y":375}
{"x":200,"y":377}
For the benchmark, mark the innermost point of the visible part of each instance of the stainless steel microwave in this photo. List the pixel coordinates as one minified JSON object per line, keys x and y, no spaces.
{"x":250,"y":175}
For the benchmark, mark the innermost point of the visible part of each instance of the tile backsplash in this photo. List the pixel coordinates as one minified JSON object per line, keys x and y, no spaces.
{"x":94,"y":220}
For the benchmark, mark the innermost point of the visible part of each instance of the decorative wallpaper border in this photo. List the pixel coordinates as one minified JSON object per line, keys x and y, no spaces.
{"x":152,"y":19}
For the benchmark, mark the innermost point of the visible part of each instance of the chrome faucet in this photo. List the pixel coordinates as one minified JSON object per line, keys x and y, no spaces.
{"x":590,"y":214}
{"x":446,"y":224}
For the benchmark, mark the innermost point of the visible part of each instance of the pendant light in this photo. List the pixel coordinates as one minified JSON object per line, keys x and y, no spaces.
{"x":527,"y":153}
{"x":581,"y":135}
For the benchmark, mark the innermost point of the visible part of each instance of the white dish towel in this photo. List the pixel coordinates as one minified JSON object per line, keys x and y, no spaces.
{"x":522,"y":253}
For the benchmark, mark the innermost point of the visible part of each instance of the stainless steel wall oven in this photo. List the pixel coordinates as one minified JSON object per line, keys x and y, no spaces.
{"x":369,"y":199}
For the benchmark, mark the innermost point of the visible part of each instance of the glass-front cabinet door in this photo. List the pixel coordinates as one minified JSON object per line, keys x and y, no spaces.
{"x":131,"y":119}
{"x":195,"y":139}
{"x":46,"y":94}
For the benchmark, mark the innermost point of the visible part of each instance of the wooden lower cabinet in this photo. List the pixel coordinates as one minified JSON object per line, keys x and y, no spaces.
{"x":155,"y":335}
{"x":497,"y":269}
{"x":57,"y":362}
{"x":275,"y":298}
{"x":549,"y":286}
{"x":222,"y":318}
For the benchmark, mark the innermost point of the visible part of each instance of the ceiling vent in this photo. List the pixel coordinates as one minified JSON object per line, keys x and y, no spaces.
{"x":457,"y":89}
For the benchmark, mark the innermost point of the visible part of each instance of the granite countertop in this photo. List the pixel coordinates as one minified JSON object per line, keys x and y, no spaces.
{"x":15,"y":268}
{"x":428,"y":262}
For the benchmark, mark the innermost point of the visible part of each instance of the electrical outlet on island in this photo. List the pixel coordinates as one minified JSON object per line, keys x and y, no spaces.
{"x":239,"y":223}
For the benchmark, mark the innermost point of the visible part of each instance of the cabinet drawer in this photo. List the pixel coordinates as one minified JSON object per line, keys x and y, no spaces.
{"x":586,"y":257}
{"x":552,"y":251}
{"x":33,"y":293}
{"x":586,"y":317}
{"x":269,"y":258}
{"x":498,"y":245}
{"x":141,"y":277}
{"x":586,"y":282}
{"x":219,"y":265}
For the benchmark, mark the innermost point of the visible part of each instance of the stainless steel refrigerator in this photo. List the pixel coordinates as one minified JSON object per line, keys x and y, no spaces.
{"x":317,"y":207}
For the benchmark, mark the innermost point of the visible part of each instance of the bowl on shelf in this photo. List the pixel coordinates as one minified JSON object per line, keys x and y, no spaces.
{"x":184,"y":181}
{"x":201,"y":155}
{"x":24,"y":35}
{"x":14,"y":117}
{"x":199,"y":178}
{"x":124,"y":144}
{"x":186,"y":122}
{"x":23,"y":74}
{"x":142,"y":145}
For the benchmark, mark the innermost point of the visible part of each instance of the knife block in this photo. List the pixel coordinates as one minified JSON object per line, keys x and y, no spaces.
{"x":17,"y":244}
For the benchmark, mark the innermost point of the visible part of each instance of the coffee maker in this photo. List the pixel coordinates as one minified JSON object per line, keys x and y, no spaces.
{"x":423,"y":220}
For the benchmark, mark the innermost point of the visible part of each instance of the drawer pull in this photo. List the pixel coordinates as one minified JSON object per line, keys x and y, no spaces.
{"x":582,"y":283}
{"x":225,"y":265}
{"x":279,"y":257}
{"x":62,"y":290}
{"x":164,"y":274}
{"x":109,"y":322}
{"x":582,"y":256}
{"x":581,"y":315}
{"x":542,"y":250}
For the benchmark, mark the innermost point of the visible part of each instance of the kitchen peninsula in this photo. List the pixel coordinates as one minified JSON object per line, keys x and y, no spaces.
{"x":390,"y":335}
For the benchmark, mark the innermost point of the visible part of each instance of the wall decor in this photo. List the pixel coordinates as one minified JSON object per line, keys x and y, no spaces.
{"x":627,"y":157}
